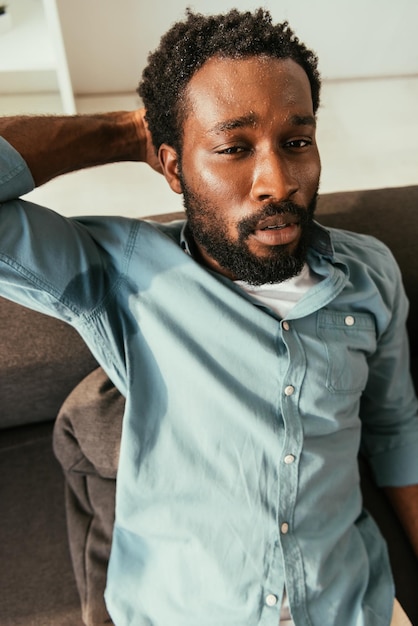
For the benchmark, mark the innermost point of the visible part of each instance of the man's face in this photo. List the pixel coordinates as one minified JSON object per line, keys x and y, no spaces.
{"x":250,"y":167}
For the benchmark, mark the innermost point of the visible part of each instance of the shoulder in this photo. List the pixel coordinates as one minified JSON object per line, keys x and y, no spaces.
{"x":373,"y":273}
{"x":171,"y":229}
{"x":357,"y":248}
{"x":349,"y":240}
{"x":116,"y":229}
{"x":124,"y":241}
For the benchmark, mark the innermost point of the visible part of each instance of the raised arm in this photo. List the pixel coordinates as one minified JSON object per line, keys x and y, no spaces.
{"x":55,"y":145}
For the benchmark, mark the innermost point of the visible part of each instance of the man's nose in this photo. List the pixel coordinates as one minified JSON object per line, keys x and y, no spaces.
{"x":273,"y":178}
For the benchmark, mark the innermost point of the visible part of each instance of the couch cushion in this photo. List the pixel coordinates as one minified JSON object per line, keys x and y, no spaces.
{"x":42,"y":360}
{"x":86,"y":442}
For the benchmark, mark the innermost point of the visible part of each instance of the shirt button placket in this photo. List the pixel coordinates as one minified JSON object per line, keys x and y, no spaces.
{"x":290,"y":412}
{"x":289,"y":459}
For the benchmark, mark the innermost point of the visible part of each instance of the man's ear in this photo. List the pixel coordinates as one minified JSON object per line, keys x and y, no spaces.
{"x":169,"y":163}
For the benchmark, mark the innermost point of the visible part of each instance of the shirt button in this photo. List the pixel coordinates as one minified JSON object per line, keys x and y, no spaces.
{"x":289,"y":390}
{"x":271,"y":599}
{"x":349,"y":320}
{"x":289,"y":458}
{"x":286,"y":326}
{"x":284,"y":528}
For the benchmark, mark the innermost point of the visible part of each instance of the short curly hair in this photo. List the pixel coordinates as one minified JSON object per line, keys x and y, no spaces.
{"x":190,"y":43}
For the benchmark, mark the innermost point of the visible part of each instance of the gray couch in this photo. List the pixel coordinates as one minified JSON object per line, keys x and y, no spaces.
{"x":42,"y":360}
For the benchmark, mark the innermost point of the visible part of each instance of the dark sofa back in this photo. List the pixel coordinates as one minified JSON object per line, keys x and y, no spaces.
{"x":41,"y":361}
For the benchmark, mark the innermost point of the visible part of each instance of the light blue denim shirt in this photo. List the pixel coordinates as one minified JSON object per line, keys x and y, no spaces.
{"x":238,"y":469}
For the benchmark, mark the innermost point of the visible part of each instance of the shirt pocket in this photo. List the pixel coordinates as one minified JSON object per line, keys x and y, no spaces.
{"x":348,"y":339}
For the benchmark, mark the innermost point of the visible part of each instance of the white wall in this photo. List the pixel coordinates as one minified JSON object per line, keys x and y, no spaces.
{"x":107,"y":42}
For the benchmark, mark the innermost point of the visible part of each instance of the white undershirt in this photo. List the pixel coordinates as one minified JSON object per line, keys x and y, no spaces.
{"x":285,"y":617}
{"x":281,"y":298}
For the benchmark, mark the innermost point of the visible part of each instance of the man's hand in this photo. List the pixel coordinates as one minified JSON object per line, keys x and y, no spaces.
{"x":56,"y":145}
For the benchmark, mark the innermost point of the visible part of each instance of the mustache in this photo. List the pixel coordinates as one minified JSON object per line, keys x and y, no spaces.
{"x":247,"y":225}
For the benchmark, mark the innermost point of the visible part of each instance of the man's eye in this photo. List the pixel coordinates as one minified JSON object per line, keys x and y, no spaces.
{"x":231,"y":150}
{"x":299,"y":143}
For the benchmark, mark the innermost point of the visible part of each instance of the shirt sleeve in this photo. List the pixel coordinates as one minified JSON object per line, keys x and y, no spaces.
{"x":389,"y":408}
{"x":48,"y":262}
{"x":71,"y":269}
{"x":15,"y":177}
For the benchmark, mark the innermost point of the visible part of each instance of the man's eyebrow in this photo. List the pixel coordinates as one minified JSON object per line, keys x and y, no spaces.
{"x":233,"y":123}
{"x":251,"y":120}
{"x":303,"y":120}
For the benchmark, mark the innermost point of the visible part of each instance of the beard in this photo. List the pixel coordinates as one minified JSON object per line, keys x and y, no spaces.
{"x":235,"y":256}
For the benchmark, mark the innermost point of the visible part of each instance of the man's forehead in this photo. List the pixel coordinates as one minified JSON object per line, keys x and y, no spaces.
{"x":254,"y":64}
{"x":237,"y":89}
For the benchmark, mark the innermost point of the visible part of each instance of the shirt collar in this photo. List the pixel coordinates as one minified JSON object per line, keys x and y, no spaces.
{"x":321,"y":241}
{"x":184,"y":241}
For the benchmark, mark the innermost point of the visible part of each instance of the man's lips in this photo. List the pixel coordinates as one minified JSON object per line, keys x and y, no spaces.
{"x":277,"y":222}
{"x":277,"y":230}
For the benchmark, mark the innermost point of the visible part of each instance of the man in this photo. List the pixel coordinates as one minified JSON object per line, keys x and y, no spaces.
{"x":256,"y":350}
